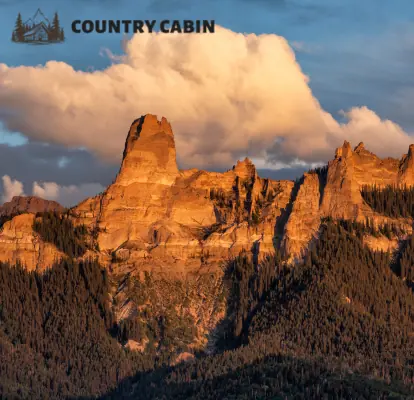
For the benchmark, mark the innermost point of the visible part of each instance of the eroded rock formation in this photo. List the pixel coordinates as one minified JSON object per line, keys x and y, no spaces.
{"x":156,"y":217}
{"x":335,"y":191}
{"x":165,"y":233}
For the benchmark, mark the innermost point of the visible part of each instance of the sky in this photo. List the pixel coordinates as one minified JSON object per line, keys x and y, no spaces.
{"x":281,"y":81}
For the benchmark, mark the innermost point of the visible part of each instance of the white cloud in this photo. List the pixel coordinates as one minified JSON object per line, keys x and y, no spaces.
{"x":227,"y":94}
{"x":47,"y":190}
{"x":11,"y":188}
{"x":66,"y":195}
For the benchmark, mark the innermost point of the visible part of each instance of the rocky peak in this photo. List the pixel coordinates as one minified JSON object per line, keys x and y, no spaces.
{"x":149,"y":154}
{"x":345,"y":151}
{"x":411,"y":151}
{"x":245,"y":169}
{"x":406,"y":169}
{"x":360,"y":147}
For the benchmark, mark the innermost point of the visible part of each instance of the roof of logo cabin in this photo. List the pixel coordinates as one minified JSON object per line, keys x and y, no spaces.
{"x":36,"y":29}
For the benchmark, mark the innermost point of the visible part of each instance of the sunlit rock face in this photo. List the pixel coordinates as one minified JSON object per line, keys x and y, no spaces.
{"x":171,"y":219}
{"x":155,"y":217}
{"x":28,"y":204}
{"x":20,"y":244}
{"x":336,"y":193}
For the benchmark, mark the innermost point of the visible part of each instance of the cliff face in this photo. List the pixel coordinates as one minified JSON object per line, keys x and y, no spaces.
{"x":18,"y":243}
{"x":304,"y":221}
{"x":336,"y":192}
{"x":159,"y":218}
{"x":351,"y":170}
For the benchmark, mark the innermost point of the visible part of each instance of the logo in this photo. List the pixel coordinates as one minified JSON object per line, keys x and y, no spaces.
{"x":142,"y":26}
{"x":38,"y":30}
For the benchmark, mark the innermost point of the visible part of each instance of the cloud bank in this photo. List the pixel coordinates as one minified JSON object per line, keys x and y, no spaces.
{"x":226,"y":94}
{"x":66,"y":195}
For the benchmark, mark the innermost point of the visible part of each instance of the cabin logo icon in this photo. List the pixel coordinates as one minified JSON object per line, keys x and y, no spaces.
{"x":38,"y":29}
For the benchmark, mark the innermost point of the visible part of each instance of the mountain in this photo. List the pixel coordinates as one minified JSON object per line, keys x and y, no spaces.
{"x":193,"y":284}
{"x":28,"y":204}
{"x":157,"y":216}
{"x":37,"y":18}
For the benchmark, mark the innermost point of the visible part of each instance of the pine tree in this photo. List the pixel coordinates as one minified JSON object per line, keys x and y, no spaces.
{"x":55,"y":31}
{"x":19,"y":29}
{"x":62,"y":35}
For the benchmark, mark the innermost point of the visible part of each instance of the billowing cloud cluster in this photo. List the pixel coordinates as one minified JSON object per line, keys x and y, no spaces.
{"x":227,"y":95}
{"x":65,"y":195}
{"x":11,"y":188}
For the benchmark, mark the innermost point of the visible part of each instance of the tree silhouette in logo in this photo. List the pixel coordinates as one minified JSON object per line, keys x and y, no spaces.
{"x":56,"y":33}
{"x":19,"y":30}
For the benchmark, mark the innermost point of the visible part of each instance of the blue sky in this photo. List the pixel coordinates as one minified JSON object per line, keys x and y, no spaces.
{"x":355,"y":52}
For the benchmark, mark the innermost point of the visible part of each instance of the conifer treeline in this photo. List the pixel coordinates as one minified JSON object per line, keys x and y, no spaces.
{"x":57,"y":228}
{"x":359,"y":229}
{"x":54,"y":334}
{"x":392,"y":201}
{"x":405,"y":262}
{"x":247,"y":285}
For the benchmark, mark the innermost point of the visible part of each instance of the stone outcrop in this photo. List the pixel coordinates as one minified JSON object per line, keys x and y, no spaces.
{"x":29,"y":204}
{"x":19,"y":244}
{"x":351,"y":170}
{"x":339,"y":192}
{"x":304,"y":221}
{"x":381,"y":243}
{"x":158,"y":217}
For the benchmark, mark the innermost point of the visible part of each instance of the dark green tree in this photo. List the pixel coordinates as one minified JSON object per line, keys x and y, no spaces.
{"x":18,"y":33}
{"x":55,"y":31}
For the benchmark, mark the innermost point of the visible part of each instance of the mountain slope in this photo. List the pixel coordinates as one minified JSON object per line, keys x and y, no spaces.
{"x":340,"y":324}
